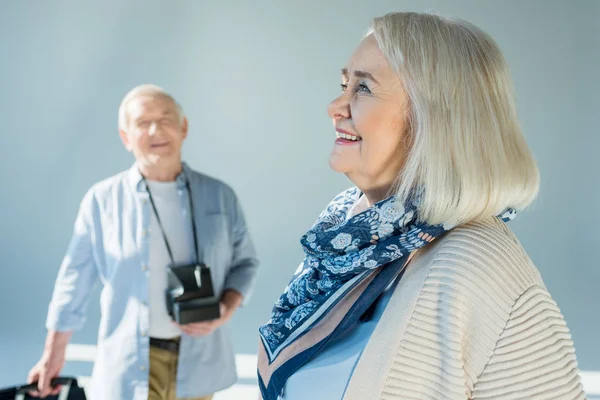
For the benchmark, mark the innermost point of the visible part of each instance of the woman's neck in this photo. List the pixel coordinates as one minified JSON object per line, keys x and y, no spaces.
{"x":375,"y":195}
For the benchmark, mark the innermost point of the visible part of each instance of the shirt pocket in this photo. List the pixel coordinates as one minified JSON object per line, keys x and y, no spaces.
{"x":119,"y":245}
{"x":215,"y":243}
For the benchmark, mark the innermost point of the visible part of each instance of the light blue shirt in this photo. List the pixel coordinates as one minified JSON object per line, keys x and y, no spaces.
{"x":110,"y":244}
{"x":326,"y":376}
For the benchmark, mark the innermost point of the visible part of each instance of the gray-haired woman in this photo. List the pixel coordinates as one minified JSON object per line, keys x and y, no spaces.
{"x":413,"y":287}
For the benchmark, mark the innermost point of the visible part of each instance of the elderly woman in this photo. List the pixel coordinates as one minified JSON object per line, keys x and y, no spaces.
{"x":413,"y":287}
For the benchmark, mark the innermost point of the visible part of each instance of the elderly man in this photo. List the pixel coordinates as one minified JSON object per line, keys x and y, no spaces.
{"x":130,"y":228}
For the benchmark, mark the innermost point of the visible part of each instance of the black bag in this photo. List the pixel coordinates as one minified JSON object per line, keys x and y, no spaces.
{"x":70,"y":391}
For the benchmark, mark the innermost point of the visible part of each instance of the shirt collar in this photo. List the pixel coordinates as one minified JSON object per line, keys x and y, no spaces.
{"x":137,"y":182}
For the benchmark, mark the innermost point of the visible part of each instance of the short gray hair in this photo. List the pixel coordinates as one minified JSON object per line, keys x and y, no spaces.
{"x":147,"y":89}
{"x":468,"y":154}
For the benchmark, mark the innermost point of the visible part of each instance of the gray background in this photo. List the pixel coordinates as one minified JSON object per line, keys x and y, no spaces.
{"x":255,"y":79}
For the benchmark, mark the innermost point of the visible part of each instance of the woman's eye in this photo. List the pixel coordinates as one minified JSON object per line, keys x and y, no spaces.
{"x":361,"y":87}
{"x":364,"y":88}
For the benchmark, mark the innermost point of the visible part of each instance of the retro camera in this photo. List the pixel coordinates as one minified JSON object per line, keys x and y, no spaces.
{"x":190,"y":295}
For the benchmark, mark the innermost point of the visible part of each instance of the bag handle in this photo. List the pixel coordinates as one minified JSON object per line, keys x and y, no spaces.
{"x":64,"y":381}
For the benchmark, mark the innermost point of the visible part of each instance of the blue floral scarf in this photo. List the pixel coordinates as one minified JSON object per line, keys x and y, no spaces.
{"x":340,"y":277}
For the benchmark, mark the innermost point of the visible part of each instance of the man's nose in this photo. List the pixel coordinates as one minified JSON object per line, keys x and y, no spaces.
{"x":153,"y":129}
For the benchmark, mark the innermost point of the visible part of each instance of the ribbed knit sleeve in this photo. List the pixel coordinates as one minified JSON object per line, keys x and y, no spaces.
{"x":534,"y":356}
{"x":483,"y":327}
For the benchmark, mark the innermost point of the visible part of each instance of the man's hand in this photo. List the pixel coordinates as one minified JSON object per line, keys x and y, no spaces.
{"x":43,"y":372}
{"x":207,"y":327}
{"x":50,"y":364}
{"x":230,"y":301}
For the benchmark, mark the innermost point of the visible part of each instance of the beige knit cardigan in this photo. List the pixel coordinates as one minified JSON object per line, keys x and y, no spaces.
{"x":470,"y":319}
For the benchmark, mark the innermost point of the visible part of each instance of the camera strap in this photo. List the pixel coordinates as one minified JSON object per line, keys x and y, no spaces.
{"x":162,"y":230}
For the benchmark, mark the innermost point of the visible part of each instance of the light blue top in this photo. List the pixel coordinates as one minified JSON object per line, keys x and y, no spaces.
{"x":326,"y":376}
{"x":110,"y":244}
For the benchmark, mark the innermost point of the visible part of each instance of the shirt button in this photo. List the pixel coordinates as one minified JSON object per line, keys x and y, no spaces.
{"x":144,"y":334}
{"x":143,"y":368}
{"x":144,"y":201}
{"x":144,"y":233}
{"x":144,"y":267}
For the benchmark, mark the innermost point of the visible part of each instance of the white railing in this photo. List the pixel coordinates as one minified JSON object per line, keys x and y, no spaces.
{"x":245,"y":364}
{"x":246,"y":370}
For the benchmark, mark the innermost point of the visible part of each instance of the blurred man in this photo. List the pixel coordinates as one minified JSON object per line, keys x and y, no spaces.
{"x":129,"y":229}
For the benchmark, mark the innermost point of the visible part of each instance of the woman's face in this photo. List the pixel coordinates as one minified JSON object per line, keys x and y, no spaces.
{"x":370,"y":122}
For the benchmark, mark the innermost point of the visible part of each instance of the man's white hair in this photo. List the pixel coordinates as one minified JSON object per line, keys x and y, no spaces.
{"x":147,"y":89}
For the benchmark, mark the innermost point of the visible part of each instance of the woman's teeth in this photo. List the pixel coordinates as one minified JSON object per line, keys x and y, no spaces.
{"x":348,"y":137}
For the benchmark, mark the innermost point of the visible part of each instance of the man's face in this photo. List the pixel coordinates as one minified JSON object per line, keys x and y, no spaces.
{"x":154,"y":131}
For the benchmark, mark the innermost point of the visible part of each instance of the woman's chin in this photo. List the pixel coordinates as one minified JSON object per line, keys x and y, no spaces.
{"x":339,"y":164}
